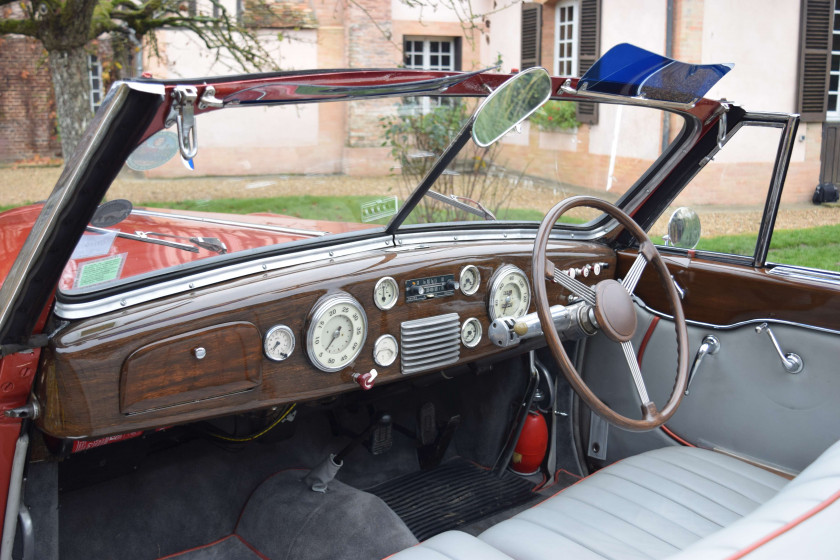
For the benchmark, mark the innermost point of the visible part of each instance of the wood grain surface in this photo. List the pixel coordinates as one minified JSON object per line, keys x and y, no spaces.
{"x":83,"y":385}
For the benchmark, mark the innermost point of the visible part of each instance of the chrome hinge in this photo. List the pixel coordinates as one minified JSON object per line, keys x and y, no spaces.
{"x":182,"y":113}
{"x":30,"y":410}
{"x":209,"y":99}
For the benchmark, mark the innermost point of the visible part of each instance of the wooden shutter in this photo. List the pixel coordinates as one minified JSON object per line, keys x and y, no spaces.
{"x":589,"y":49}
{"x":814,"y":58}
{"x":531,"y":34}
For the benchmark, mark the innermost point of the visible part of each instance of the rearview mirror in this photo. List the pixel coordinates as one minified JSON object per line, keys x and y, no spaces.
{"x":683,"y":229}
{"x":510,"y":104}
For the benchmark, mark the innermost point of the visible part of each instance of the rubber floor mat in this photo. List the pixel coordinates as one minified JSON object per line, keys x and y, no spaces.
{"x":456,"y":493}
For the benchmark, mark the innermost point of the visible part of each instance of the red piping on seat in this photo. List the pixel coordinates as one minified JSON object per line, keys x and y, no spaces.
{"x":787,"y":526}
{"x":251,"y":548}
{"x":176,"y":554}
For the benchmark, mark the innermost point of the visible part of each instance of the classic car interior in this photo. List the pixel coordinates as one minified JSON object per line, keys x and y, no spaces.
{"x":373,"y":392}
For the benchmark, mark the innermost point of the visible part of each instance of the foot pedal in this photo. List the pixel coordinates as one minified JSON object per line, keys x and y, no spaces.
{"x":381,"y":437}
{"x":430,"y":456}
{"x":427,"y":424}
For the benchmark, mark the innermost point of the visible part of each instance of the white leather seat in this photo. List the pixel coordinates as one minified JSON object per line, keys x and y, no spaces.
{"x":675,"y":502}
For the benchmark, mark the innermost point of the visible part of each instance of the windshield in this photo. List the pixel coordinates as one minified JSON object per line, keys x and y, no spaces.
{"x":284,"y":175}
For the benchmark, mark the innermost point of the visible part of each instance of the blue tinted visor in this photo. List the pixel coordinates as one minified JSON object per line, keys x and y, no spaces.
{"x":630,"y":71}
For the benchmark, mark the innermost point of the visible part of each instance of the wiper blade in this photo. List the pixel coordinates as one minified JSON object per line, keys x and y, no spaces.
{"x":184,"y":246}
{"x":454,"y":200}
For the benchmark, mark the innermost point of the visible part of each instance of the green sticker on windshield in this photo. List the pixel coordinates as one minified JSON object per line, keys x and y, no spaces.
{"x":380,"y":208}
{"x":103,"y":270}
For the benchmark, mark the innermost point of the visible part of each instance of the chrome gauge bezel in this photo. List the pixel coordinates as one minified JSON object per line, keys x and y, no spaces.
{"x":270,"y":353}
{"x":322,"y":306}
{"x":377,"y":345}
{"x":477,"y":284}
{"x":479,"y":332}
{"x":498,"y":281}
{"x":393,"y":302}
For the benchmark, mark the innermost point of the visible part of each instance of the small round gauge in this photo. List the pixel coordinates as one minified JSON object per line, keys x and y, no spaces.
{"x":470,"y":280}
{"x":510,"y":294}
{"x":385,"y":350}
{"x":337,"y":332}
{"x":279,"y":343}
{"x":471,"y":332}
{"x":385,"y":293}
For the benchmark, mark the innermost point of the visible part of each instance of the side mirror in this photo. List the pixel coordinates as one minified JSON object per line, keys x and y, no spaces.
{"x":683,"y":229}
{"x":510,"y":104}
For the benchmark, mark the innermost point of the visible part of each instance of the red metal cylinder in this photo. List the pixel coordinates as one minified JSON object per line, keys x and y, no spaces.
{"x":531,"y":446}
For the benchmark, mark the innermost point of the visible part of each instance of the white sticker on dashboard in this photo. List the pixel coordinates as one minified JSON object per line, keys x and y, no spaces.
{"x":94,"y":245}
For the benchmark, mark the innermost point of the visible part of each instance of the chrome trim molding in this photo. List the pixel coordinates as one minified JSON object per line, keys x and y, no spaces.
{"x":129,"y":298}
{"x":737,"y":325}
{"x":404,"y":242}
{"x":278,"y":229}
{"x":803,"y":273}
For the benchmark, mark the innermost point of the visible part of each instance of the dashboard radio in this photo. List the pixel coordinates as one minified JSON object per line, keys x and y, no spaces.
{"x":421,"y":289}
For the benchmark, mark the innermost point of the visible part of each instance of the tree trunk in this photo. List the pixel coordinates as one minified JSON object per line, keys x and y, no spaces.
{"x":71,"y":82}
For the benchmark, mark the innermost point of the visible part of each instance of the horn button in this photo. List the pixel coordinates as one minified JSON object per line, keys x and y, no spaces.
{"x":614,"y":311}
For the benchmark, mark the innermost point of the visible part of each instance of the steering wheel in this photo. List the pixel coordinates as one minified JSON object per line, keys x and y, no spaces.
{"x":614,"y":313}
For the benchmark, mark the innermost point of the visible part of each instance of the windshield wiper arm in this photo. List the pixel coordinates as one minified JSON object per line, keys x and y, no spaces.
{"x":184,"y":246}
{"x":455,"y":200}
{"x":209,"y":243}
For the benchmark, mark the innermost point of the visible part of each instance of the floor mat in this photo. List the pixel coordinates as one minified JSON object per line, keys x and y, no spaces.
{"x":456,"y":493}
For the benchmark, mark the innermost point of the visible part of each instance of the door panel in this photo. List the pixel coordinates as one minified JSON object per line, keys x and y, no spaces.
{"x":742,"y":400}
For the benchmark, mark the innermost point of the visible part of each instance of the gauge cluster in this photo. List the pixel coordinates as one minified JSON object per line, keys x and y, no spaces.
{"x":337,"y":328}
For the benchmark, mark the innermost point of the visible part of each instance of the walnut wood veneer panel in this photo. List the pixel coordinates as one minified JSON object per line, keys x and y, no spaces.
{"x":79,"y":384}
{"x":228,"y":364}
{"x":725,"y":294}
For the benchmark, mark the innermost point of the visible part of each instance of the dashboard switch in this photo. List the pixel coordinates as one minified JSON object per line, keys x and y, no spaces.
{"x":365,"y":380}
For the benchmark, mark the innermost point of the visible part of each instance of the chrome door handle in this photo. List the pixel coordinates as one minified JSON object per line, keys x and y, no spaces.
{"x":710,"y":345}
{"x":791,"y":362}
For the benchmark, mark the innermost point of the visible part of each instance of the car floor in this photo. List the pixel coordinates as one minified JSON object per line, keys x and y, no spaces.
{"x":175,"y":493}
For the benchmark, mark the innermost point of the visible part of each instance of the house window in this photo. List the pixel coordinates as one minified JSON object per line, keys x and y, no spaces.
{"x":95,"y":74}
{"x":834,"y":73}
{"x":566,"y":29}
{"x":429,"y":53}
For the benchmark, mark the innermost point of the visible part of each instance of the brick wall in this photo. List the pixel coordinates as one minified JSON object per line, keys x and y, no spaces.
{"x":27,"y":107}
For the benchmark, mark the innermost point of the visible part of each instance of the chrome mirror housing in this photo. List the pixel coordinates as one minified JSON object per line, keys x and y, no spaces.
{"x":510,"y":104}
{"x":683,"y":229}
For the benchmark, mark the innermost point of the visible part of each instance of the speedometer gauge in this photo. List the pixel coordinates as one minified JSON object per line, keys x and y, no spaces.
{"x":510,"y":294}
{"x":337,"y":332}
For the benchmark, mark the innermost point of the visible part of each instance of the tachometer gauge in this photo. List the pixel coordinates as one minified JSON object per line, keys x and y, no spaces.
{"x":510,"y":294}
{"x":385,"y":350}
{"x":385,"y":293}
{"x":279,"y":343}
{"x":337,"y":332}
{"x":471,"y":332}
{"x":470,"y":279}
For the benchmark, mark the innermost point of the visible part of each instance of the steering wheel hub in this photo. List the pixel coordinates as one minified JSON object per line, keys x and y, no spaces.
{"x":614,"y":311}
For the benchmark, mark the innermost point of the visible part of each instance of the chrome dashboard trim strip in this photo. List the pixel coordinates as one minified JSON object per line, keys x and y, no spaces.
{"x":737,"y":325}
{"x":406,"y":242}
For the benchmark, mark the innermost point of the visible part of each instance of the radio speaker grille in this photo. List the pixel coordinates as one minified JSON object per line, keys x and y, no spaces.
{"x":430,"y":343}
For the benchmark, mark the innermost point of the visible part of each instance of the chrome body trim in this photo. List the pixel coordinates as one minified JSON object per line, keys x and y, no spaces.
{"x":624,"y":100}
{"x":278,"y":229}
{"x":803,"y":273}
{"x":13,"y":286}
{"x":406,"y":242}
{"x":732,"y":326}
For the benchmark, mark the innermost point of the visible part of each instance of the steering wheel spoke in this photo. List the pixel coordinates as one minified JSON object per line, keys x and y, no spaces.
{"x":577,"y":287}
{"x":635,"y":370}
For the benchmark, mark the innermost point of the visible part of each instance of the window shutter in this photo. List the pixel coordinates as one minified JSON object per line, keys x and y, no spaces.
{"x":814,"y":58}
{"x":589,"y":49}
{"x":531,"y":34}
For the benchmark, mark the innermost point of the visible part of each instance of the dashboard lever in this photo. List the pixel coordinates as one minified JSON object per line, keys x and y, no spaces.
{"x":709,"y":346}
{"x":365,"y":380}
{"x":791,"y":362}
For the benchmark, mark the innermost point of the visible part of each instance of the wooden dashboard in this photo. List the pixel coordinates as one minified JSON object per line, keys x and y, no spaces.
{"x":139,"y":368}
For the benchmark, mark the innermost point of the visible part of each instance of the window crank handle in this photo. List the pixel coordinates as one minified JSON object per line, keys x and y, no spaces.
{"x":791,"y":362}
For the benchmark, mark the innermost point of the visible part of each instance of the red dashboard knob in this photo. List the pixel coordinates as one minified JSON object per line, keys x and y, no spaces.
{"x":365,"y":380}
